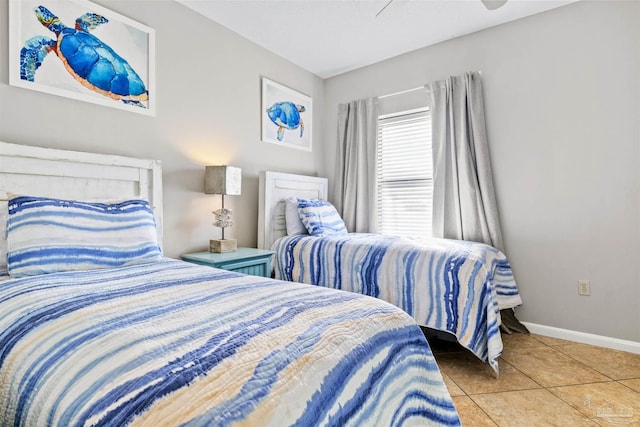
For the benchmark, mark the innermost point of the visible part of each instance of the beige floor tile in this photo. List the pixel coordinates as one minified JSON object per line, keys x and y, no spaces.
{"x":608,"y":404}
{"x":474,"y":376}
{"x":453,"y":388}
{"x":551,"y":368}
{"x":615,"y":364}
{"x":470,"y":414}
{"x":551,"y":341}
{"x":632,"y":384}
{"x":581,"y":390}
{"x":530,"y":408}
{"x":521,"y":341}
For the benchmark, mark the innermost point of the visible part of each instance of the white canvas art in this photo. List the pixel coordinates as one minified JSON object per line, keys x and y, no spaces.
{"x":287,"y":116}
{"x":80,"y":50}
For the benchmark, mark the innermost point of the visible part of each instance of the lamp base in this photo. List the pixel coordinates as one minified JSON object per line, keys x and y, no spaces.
{"x":223,"y":245}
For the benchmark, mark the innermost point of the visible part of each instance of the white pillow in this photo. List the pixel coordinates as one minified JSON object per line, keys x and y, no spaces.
{"x":4,"y":217}
{"x":292,"y":217}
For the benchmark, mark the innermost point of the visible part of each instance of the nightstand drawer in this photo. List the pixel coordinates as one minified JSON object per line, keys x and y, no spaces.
{"x":254,"y":267}
{"x":256,"y":262}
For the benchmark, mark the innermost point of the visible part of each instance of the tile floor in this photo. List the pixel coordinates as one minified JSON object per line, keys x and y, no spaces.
{"x":543,"y":382}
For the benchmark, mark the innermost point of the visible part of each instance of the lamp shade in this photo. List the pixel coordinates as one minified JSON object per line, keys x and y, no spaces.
{"x":222,"y":180}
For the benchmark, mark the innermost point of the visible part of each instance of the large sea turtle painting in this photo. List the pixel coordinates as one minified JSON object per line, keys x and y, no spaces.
{"x":88,"y":59}
{"x":286,"y":115}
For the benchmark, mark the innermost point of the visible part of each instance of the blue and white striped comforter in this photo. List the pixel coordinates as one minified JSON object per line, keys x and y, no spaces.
{"x":449,"y":285}
{"x":172,"y":343}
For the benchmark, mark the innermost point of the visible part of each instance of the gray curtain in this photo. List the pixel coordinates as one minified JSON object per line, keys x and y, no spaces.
{"x":356,"y":165}
{"x":464,"y":202}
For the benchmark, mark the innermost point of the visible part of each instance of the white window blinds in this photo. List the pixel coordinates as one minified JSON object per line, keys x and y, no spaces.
{"x":405,"y":174}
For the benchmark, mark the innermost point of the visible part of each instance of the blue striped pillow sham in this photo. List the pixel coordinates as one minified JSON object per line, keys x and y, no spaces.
{"x":46,"y":235}
{"x":320,"y":217}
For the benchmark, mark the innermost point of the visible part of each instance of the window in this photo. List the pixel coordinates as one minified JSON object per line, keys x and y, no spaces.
{"x":405,"y":174}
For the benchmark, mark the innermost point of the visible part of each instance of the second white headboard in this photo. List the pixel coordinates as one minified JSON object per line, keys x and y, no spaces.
{"x":275,"y":187}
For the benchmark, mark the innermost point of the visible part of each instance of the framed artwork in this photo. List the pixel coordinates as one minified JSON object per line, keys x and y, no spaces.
{"x":80,"y":50}
{"x":287,"y":116}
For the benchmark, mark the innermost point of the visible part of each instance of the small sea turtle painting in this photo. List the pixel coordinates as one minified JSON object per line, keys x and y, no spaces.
{"x":89,"y":60}
{"x":286,"y":115}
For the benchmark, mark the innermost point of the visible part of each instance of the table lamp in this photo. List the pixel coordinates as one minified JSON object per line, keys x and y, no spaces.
{"x":224,"y":180}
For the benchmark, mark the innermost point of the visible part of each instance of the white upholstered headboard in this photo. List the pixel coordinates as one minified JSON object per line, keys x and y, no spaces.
{"x":274,"y":188}
{"x":48,"y":172}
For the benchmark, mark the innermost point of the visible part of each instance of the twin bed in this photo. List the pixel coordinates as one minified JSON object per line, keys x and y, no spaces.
{"x":102,"y":338}
{"x":456,"y":287}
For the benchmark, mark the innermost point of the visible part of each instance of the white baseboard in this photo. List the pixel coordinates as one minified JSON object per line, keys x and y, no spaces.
{"x":584,"y":338}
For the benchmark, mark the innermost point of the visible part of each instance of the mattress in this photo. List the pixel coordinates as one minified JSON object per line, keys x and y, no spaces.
{"x":172,"y":343}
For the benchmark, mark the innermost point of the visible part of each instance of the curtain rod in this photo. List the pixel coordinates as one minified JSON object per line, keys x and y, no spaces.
{"x":402,"y":92}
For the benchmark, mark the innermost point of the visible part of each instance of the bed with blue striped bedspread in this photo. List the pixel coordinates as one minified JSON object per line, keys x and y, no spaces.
{"x":171,"y":343}
{"x":453,"y":286}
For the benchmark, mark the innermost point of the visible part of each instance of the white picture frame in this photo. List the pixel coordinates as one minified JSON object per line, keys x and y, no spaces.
{"x":130,"y":40}
{"x":286,"y":116}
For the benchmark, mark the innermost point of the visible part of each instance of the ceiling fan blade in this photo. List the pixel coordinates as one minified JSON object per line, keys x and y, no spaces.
{"x":384,"y":7}
{"x":493,"y":4}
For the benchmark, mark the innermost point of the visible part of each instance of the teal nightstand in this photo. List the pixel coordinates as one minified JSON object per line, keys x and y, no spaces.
{"x":256,"y":262}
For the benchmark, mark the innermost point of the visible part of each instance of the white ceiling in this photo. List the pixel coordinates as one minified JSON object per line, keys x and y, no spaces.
{"x":330,"y":37}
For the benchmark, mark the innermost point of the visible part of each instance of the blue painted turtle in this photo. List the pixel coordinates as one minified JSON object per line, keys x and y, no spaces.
{"x":88,"y":59}
{"x":287,"y":116}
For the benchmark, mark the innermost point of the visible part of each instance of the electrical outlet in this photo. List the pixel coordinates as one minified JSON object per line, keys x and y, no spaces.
{"x":584,"y":288}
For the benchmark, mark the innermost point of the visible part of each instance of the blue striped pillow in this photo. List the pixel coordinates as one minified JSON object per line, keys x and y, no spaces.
{"x":320,"y":217}
{"x":50,"y":235}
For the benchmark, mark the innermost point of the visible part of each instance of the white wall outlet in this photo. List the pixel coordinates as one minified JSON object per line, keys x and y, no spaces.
{"x":584,"y":287}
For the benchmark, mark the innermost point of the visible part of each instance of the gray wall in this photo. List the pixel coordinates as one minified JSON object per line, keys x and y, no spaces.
{"x":208,"y":112}
{"x":562,"y":93}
